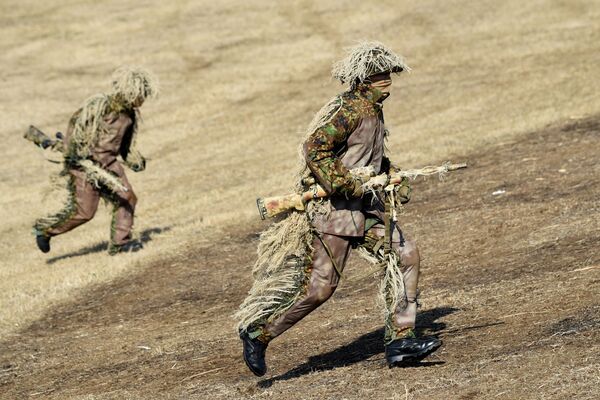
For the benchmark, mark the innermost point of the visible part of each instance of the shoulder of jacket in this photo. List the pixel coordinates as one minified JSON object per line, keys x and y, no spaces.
{"x":355,"y":105}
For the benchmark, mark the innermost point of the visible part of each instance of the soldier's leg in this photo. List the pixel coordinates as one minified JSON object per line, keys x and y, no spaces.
{"x":122,"y":219}
{"x":81,"y":206}
{"x":328,"y":257}
{"x":329,"y":253}
{"x":402,"y":320}
{"x":402,"y":347}
{"x":123,"y":203}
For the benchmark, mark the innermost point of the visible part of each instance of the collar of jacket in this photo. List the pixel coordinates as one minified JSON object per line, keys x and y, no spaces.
{"x":371,"y":94}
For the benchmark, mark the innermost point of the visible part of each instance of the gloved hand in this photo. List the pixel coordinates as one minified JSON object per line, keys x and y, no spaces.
{"x":137,"y":166}
{"x":403,"y":191}
{"x":378,"y":182}
{"x":358,"y":190}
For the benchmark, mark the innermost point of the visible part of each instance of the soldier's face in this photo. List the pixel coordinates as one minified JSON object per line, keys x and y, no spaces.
{"x":382,"y":81}
{"x":383,"y":85}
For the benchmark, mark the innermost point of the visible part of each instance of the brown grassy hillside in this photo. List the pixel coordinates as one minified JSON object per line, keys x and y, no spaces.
{"x":510,"y":283}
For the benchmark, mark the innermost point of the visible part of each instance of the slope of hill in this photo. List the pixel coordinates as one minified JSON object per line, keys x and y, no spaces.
{"x":510,"y":283}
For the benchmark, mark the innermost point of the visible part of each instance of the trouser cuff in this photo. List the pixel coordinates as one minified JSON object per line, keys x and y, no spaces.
{"x":259,"y":333}
{"x":401,"y":333}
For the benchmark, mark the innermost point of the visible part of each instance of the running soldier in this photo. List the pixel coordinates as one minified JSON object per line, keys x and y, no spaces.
{"x":104,"y":128}
{"x":301,"y":259}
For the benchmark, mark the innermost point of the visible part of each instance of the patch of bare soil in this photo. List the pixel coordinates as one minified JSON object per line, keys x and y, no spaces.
{"x":511,"y":283}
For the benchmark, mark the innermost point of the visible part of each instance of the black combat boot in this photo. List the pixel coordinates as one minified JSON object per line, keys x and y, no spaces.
{"x":254,"y":354}
{"x":43,"y":243}
{"x":402,"y":352}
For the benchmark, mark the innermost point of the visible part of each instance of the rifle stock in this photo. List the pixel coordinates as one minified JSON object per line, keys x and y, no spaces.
{"x":269,"y":207}
{"x":39,"y":138}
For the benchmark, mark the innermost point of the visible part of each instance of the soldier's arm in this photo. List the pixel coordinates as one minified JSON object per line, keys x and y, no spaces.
{"x":130,"y":155}
{"x":319,"y":153}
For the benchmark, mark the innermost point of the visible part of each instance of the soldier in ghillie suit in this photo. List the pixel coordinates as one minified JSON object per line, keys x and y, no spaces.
{"x":301,"y":258}
{"x":104,"y":128}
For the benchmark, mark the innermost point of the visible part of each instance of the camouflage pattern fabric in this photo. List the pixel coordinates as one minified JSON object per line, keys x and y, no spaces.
{"x":322,"y":145}
{"x":373,"y":244}
{"x":43,"y":225}
{"x":81,"y":205}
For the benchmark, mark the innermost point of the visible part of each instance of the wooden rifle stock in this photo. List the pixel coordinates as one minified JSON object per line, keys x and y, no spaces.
{"x":269,"y":207}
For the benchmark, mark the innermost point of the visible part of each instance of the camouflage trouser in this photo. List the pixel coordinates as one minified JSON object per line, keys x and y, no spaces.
{"x":329,"y":257}
{"x":82,"y":204}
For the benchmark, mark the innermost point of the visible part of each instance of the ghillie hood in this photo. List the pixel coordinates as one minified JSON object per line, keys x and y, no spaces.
{"x":366,"y":59}
{"x":130,"y":83}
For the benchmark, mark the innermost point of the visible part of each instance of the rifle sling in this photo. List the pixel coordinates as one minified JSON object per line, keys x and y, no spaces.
{"x":378,"y":245}
{"x":331,"y":257}
{"x":387,"y":239}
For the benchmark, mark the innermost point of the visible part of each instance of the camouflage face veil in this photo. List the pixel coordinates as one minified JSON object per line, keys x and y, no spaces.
{"x":133,"y":83}
{"x":366,"y":59}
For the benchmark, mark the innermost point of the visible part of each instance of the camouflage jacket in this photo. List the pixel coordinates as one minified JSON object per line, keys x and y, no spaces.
{"x":327,"y":151}
{"x":353,"y":137}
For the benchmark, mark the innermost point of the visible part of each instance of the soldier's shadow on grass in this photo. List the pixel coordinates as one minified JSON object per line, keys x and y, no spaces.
{"x":363,"y":348}
{"x":145,"y":236}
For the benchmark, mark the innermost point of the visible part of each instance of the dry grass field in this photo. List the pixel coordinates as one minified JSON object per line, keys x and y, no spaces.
{"x":511,"y":281}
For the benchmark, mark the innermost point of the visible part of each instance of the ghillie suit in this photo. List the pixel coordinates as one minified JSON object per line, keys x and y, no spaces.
{"x":102,"y":129}
{"x":301,"y":258}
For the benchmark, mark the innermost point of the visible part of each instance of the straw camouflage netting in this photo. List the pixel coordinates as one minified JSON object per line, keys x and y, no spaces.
{"x":366,"y":59}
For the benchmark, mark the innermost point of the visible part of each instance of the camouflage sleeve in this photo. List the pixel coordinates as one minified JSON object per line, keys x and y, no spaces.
{"x":132,"y":158}
{"x":128,"y":151}
{"x":319,"y":153}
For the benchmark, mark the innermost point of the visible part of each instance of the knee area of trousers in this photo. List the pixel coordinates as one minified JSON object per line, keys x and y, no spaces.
{"x":86,"y":215}
{"x":130,"y":198}
{"x":410,"y":253}
{"x":320,"y":294}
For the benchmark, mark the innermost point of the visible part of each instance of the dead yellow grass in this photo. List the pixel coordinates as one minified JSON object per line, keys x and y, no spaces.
{"x":240,"y":80}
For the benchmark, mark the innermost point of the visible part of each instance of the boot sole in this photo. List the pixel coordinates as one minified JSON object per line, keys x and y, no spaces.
{"x":405,"y":360}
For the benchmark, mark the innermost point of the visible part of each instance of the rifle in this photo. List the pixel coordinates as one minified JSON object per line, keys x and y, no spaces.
{"x":95,"y":173}
{"x":39,"y":138}
{"x":269,"y":207}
